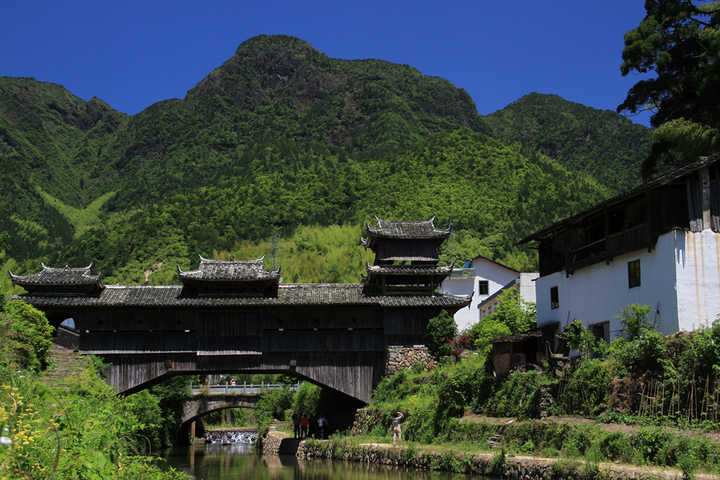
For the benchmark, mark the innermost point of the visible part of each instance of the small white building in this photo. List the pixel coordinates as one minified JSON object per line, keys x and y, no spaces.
{"x":485,"y":278}
{"x":656,"y":245}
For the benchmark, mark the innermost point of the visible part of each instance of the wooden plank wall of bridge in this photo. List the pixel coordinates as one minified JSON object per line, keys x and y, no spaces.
{"x":341,"y":347}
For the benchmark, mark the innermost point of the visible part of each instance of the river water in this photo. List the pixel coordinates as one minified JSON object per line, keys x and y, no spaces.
{"x":238,"y":461}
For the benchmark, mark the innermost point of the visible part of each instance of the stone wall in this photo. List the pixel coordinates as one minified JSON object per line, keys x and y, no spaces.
{"x":497,"y":465}
{"x":365,"y":421}
{"x":277,"y":444}
{"x":271,"y":444}
{"x":404,"y":358}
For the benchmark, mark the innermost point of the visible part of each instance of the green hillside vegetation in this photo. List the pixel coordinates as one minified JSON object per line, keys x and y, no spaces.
{"x":277,"y":138}
{"x":600,"y":143}
{"x":83,"y":219}
{"x":290,"y":185}
{"x":46,"y":135}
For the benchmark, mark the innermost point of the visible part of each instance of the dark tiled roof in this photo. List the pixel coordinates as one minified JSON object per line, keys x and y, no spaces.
{"x":408,"y":269}
{"x":58,"y":276}
{"x":658,"y":182}
{"x":229,"y":270}
{"x":404,"y":229}
{"x":407,"y":258}
{"x":518,"y":337}
{"x":295,"y":294}
{"x":61,"y":281}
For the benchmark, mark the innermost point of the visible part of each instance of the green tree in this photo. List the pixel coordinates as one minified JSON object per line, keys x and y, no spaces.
{"x":519,"y":315}
{"x":306,"y":399}
{"x":440,"y":329}
{"x":485,"y":330}
{"x":272,"y":405}
{"x":679,"y":41}
{"x":4,"y":241}
{"x":512,"y":315}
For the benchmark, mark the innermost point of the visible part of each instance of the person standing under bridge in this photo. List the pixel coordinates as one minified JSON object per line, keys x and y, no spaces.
{"x":321,"y":426}
{"x":296,"y":425}
{"x":304,"y":426}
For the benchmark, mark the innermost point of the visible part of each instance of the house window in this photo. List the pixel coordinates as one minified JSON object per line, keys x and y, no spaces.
{"x":483,"y":287}
{"x":634,"y":274}
{"x":554,"y":299}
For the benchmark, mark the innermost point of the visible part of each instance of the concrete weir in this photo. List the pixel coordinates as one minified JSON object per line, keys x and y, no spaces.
{"x":226,"y":436}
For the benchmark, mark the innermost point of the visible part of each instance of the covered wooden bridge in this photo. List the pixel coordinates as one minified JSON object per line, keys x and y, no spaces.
{"x":234,"y":316}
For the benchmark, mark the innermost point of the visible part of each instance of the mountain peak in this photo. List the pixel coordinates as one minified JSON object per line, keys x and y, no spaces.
{"x":260,"y":42}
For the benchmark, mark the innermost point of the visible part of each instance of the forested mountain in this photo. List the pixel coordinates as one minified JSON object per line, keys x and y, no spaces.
{"x":278,"y":137}
{"x":600,"y":143}
{"x":48,"y":138}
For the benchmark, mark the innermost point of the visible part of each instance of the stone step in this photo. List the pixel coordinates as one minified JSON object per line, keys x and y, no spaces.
{"x":66,"y":363}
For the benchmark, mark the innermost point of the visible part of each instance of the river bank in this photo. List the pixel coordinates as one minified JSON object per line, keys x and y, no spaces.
{"x":497,"y":464}
{"x":494,"y":446}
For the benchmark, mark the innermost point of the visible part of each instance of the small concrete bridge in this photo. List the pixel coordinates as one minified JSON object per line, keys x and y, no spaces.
{"x":198,"y":406}
{"x":214,"y":397}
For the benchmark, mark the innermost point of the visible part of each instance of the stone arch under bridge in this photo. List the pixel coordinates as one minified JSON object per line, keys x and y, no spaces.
{"x":233,"y":316}
{"x":198,"y":406}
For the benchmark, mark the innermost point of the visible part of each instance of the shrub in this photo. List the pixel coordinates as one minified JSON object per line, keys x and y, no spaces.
{"x":516,"y":397}
{"x":306,"y":399}
{"x":393,"y":388}
{"x":440,"y":329}
{"x":63,"y":434}
{"x":457,"y":392}
{"x":485,"y":330}
{"x":578,"y":337}
{"x":514,"y":312}
{"x":498,"y":465}
{"x":584,"y":390}
{"x":272,"y":405}
{"x":641,"y":347}
{"x":25,"y":336}
{"x":613,"y":446}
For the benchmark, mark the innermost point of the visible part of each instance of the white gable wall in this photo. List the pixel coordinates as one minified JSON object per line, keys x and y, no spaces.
{"x":497,"y":275}
{"x":697,"y":259}
{"x":527,"y":286}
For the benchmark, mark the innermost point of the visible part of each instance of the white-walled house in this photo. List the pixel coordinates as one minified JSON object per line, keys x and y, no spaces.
{"x":484,"y":278}
{"x":656,"y":245}
{"x":524,"y":283}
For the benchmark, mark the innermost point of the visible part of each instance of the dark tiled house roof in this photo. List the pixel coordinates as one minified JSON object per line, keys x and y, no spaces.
{"x":57,"y":276}
{"x":518,"y":337}
{"x":679,"y":173}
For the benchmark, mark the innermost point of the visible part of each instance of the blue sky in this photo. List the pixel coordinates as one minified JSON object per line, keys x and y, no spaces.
{"x":132,"y":54}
